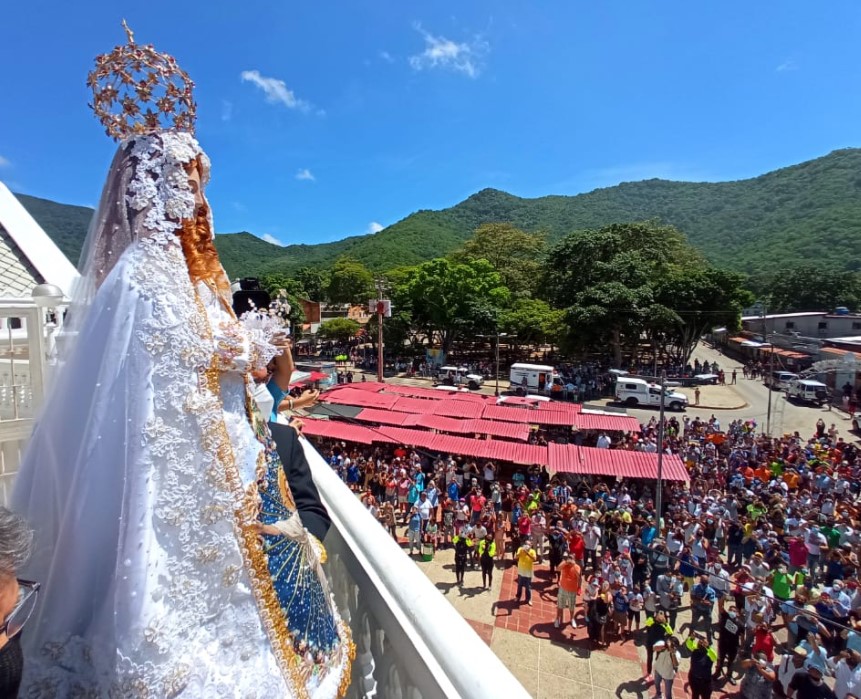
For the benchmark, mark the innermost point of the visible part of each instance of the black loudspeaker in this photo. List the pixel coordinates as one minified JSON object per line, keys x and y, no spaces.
{"x":250,"y":296}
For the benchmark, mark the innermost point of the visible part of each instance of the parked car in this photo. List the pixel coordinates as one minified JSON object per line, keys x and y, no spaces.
{"x":459,"y":375}
{"x":779,"y":380}
{"x":639,"y":392}
{"x":856,"y":421}
{"x":808,"y":391}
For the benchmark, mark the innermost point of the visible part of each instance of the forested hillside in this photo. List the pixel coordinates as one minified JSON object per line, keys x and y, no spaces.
{"x":806,"y":212}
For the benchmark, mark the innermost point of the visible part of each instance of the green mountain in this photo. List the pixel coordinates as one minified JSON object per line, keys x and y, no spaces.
{"x":809,"y":212}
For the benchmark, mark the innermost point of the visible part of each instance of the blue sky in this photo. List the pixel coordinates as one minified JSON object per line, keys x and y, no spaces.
{"x":330,"y":119}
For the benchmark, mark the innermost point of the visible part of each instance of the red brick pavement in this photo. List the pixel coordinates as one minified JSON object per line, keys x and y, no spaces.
{"x":537,"y":621}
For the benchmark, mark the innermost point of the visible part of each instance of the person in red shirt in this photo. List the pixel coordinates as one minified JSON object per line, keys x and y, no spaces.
{"x":577,"y":547}
{"x":797,"y":554}
{"x":476,"y":503}
{"x":763,"y":640}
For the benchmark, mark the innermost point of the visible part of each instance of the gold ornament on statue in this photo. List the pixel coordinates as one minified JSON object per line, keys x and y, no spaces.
{"x":137,"y":90}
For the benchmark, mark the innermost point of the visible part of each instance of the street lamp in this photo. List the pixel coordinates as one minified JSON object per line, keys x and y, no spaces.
{"x":497,"y":336}
{"x":47,"y":296}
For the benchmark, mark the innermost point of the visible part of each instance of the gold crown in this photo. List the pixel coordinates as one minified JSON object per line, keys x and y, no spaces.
{"x":137,"y":90}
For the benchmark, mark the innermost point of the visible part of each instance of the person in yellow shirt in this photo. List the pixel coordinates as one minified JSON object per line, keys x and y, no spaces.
{"x":526,"y":557}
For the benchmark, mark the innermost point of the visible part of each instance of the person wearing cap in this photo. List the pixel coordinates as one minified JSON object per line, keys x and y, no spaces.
{"x":786,"y":669}
{"x":808,"y":684}
{"x":666,"y":666}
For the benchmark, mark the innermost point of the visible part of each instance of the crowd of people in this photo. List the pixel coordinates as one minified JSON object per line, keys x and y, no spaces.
{"x":760,"y":547}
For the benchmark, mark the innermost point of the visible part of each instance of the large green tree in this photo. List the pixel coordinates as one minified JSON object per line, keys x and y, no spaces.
{"x":313,"y":282}
{"x":696,"y":300}
{"x":450,"y":299}
{"x":514,"y":253}
{"x":338,"y":329}
{"x":809,"y":287}
{"x":634,"y":283}
{"x":350,"y":282}
{"x":532,"y":321}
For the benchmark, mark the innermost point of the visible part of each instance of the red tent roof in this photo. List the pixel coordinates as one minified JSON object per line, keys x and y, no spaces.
{"x":335,"y":429}
{"x":569,"y":458}
{"x":382,"y":417}
{"x":418,"y":406}
{"x":494,"y":428}
{"x":459,"y":408}
{"x":609,"y":423}
{"x":573,"y":408}
{"x":565,"y":458}
{"x":359,"y":398}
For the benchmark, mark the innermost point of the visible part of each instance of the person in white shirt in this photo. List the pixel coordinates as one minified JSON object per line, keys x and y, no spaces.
{"x":591,"y":539}
{"x":719,"y":580}
{"x":665,"y":666}
{"x":539,"y":527}
{"x":603,"y":441}
{"x":790,"y":664}
{"x":847,"y":673}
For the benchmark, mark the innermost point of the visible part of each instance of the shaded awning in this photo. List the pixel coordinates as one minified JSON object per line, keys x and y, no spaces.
{"x":607,"y":423}
{"x":335,"y":429}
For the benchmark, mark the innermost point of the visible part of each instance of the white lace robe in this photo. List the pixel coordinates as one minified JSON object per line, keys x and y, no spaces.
{"x":132,"y":479}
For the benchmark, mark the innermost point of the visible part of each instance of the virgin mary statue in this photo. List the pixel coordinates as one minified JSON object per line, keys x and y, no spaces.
{"x":153,"y":485}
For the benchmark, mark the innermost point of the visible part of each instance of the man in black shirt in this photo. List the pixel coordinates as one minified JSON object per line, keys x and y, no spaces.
{"x":808,"y":684}
{"x":730,"y":632}
{"x":703,"y":657}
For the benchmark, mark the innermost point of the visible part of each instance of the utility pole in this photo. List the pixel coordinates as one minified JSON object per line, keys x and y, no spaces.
{"x":659,"y":490}
{"x":381,"y":309}
{"x":770,"y":377}
{"x":496,"y":392}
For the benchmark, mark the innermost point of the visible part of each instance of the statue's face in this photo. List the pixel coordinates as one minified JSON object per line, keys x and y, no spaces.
{"x":196,"y":185}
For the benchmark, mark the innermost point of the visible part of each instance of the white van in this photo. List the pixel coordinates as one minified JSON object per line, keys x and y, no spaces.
{"x":538,"y":377}
{"x":779,"y":380}
{"x":459,"y":375}
{"x":640,"y":393}
{"x":808,"y":391}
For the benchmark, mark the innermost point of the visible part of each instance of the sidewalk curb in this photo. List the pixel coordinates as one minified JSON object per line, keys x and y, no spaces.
{"x":701,"y":406}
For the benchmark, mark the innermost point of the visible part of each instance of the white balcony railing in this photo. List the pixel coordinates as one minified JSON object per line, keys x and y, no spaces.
{"x":410,"y":642}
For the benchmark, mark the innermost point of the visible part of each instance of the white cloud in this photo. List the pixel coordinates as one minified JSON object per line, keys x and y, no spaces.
{"x":4,"y":162}
{"x":226,"y":110}
{"x":788,"y":64}
{"x":306,"y":175}
{"x":276,"y":90}
{"x":386,"y":56}
{"x":465,"y":57}
{"x":269,"y":238}
{"x":374,"y":227}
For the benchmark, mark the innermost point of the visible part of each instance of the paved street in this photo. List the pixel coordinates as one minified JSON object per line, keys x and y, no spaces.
{"x":786,"y":417}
